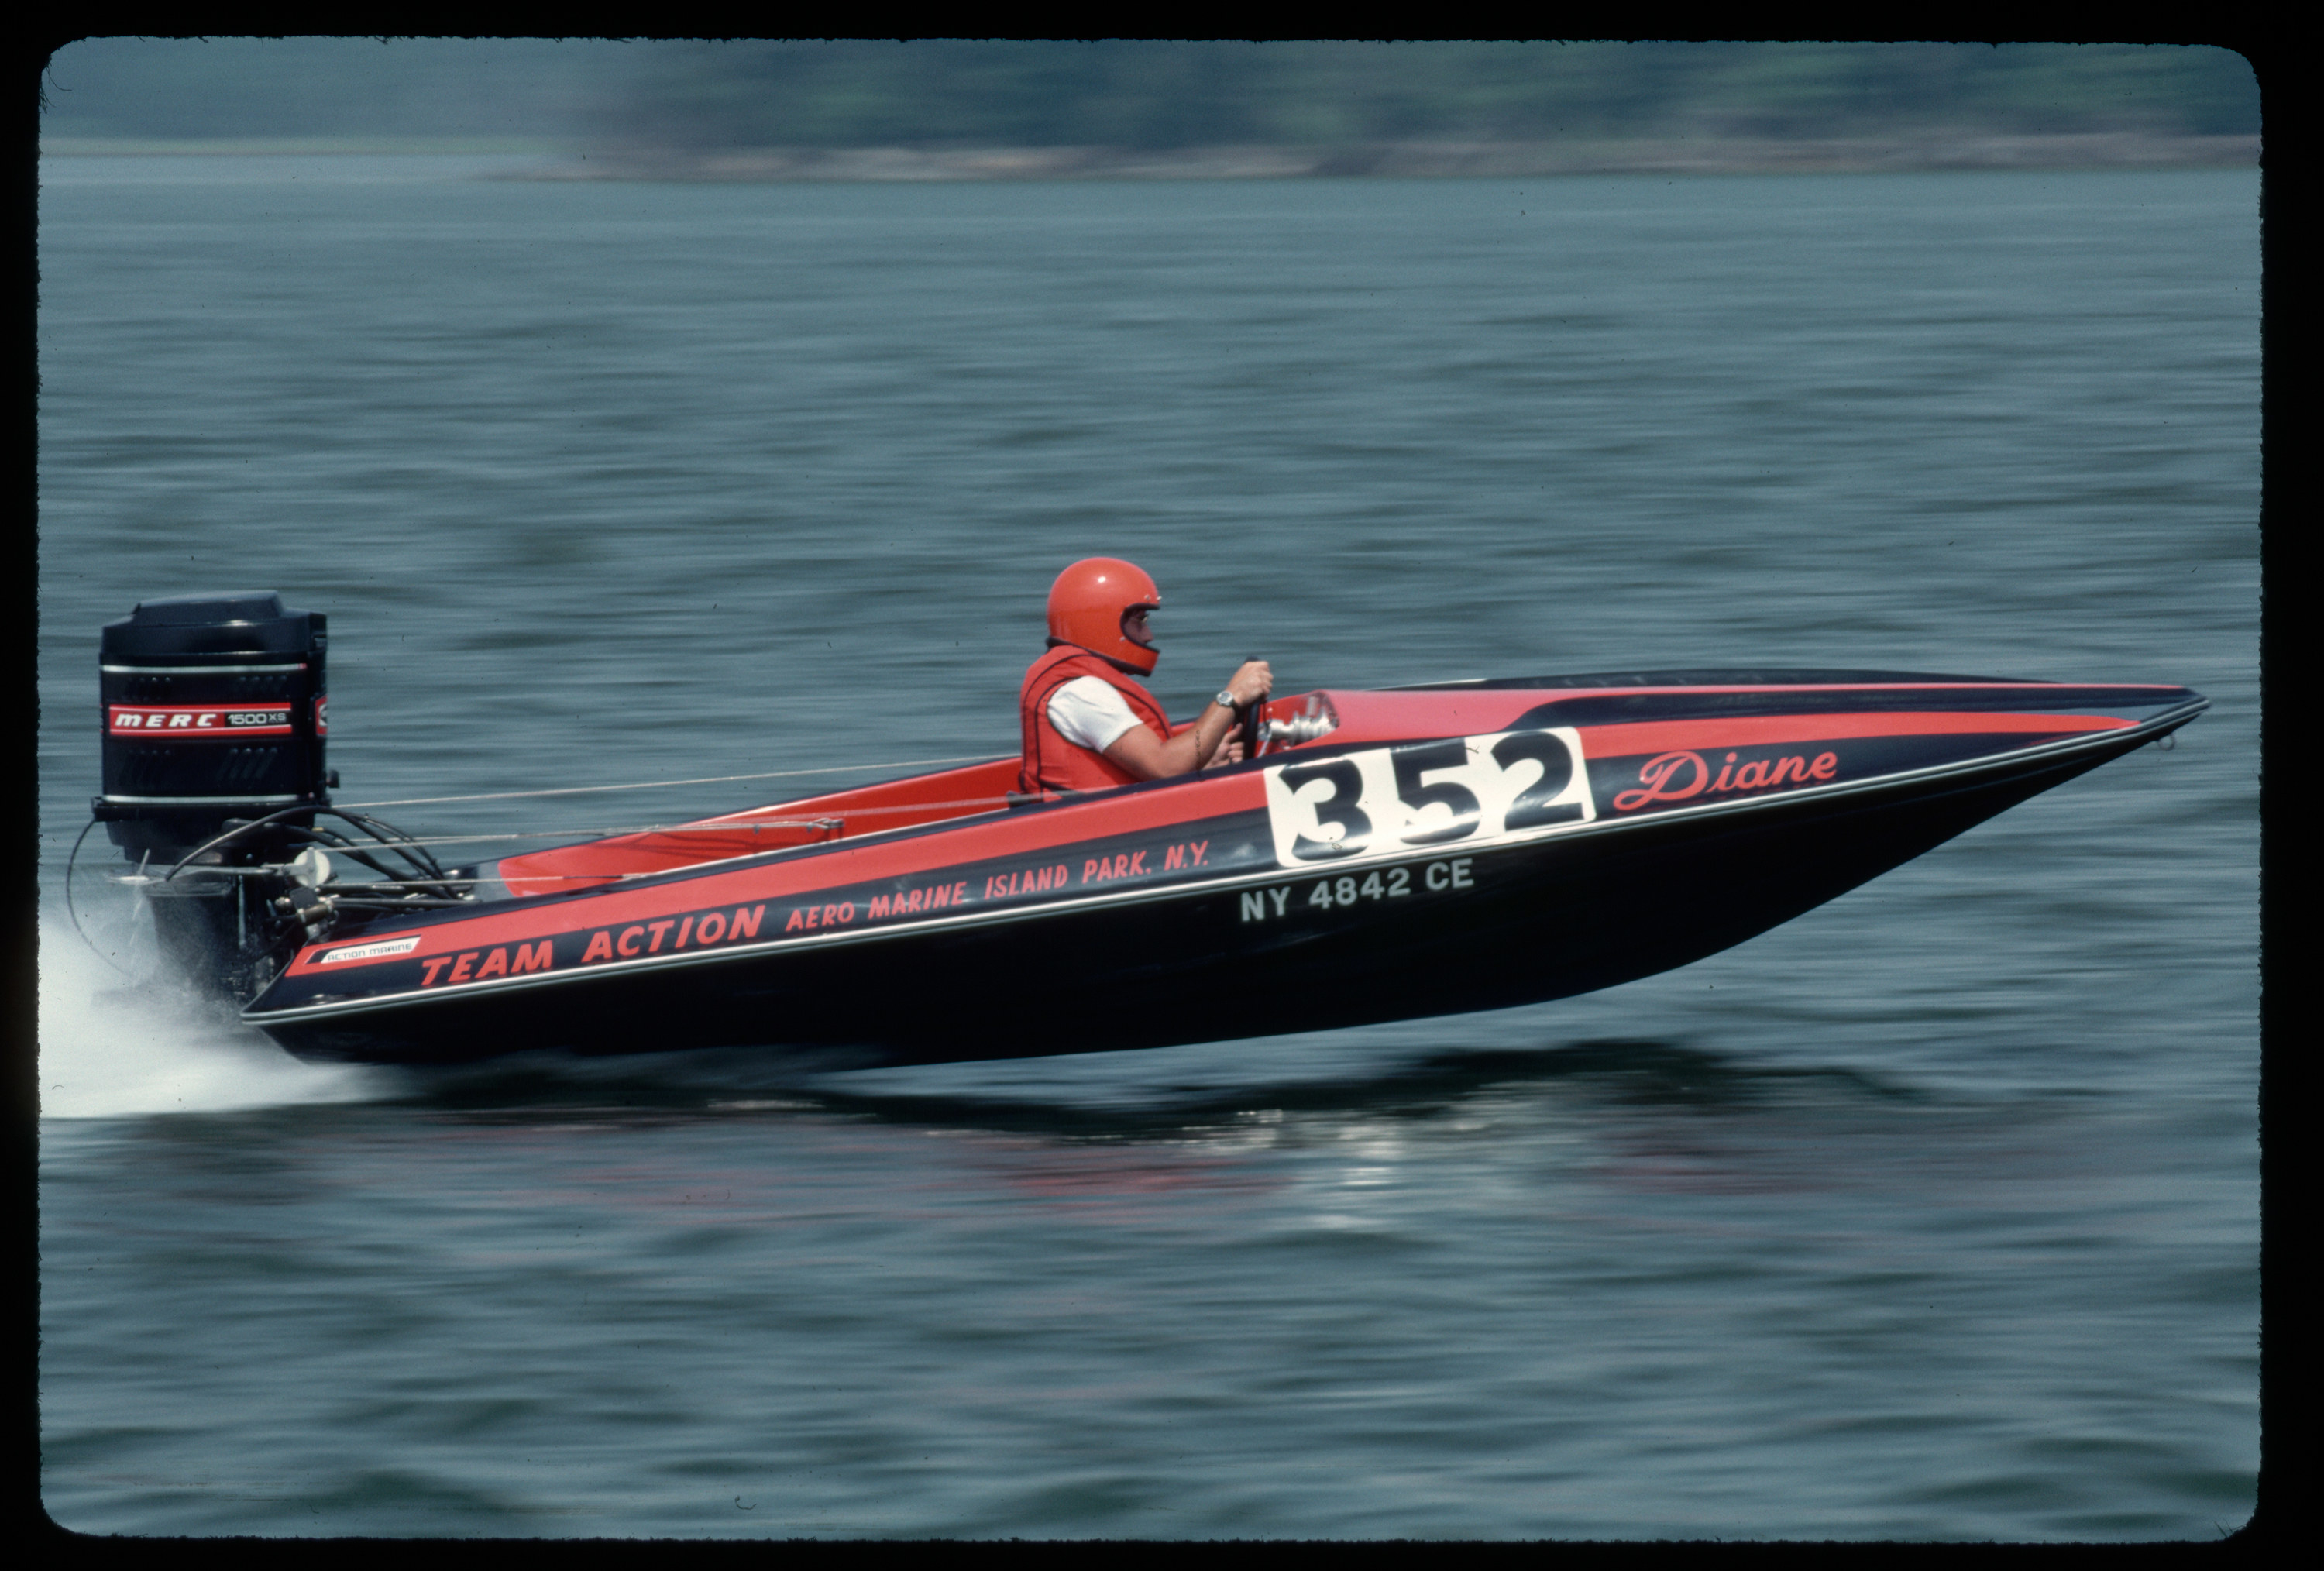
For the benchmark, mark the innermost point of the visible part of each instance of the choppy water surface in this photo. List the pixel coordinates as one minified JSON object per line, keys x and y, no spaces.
{"x":1933,"y":1214}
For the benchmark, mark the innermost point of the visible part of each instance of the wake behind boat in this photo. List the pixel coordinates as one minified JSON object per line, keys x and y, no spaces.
{"x":1376,"y":856}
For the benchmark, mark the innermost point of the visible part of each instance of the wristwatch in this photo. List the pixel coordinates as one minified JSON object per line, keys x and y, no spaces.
{"x":1225,"y":698}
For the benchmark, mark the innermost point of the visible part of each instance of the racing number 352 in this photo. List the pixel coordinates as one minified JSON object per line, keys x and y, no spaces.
{"x":1385,"y":801}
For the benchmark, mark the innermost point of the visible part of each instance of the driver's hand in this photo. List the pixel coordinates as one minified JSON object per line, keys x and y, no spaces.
{"x":1229,"y":750}
{"x":1251,"y":683}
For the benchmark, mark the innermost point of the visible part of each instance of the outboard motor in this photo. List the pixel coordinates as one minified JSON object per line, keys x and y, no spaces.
{"x":213,"y":761}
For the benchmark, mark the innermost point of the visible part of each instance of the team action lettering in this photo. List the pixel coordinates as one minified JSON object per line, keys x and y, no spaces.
{"x":667,"y":936}
{"x":671,"y":935}
{"x":692,"y":932}
{"x":507,"y":960}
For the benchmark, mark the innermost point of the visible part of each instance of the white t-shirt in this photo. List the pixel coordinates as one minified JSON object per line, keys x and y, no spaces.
{"x":1091,"y":711}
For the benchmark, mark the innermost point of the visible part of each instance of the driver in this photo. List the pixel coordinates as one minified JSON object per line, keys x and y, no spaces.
{"x":1089,"y":725}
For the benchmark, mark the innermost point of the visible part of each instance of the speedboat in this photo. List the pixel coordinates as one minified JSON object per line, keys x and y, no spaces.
{"x":1379,"y":855}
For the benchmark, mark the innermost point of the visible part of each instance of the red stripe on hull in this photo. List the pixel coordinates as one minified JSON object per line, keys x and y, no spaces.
{"x":997,"y":839}
{"x":1775,"y":730}
{"x":1034,"y":833}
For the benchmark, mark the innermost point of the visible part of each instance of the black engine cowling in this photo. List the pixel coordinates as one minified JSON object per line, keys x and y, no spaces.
{"x":213,"y":709}
{"x":213,"y":714}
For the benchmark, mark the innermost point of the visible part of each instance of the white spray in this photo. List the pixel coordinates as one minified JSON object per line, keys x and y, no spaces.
{"x":120,"y":1037}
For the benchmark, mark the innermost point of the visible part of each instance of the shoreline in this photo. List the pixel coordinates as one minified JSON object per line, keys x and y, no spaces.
{"x":302,"y":147}
{"x":1706,"y":154}
{"x":1416,"y":159}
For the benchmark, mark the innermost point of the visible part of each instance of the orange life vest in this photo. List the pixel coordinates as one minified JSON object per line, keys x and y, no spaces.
{"x":1053,"y":763}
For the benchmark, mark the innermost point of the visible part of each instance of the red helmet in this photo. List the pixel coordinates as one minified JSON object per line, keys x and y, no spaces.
{"x":1088,"y":603}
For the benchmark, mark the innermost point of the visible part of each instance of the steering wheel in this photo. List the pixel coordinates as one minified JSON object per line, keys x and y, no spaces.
{"x":1253,"y":723}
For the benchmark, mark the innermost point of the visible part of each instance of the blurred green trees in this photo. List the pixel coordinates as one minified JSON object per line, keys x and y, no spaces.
{"x":1136,"y":95}
{"x":1156,"y":95}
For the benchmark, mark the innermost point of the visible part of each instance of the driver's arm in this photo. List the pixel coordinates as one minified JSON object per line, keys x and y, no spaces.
{"x":1148,"y":757}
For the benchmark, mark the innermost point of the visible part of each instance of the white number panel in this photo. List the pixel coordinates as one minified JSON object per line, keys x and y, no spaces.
{"x":1392,"y":801}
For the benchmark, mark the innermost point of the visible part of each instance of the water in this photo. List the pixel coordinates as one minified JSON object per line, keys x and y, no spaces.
{"x":1931,"y":1215}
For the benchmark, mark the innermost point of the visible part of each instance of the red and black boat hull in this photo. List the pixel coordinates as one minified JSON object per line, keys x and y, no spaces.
{"x":1245,"y":903}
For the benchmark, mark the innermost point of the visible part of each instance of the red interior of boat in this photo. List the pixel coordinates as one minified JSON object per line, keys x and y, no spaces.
{"x":953,"y":793}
